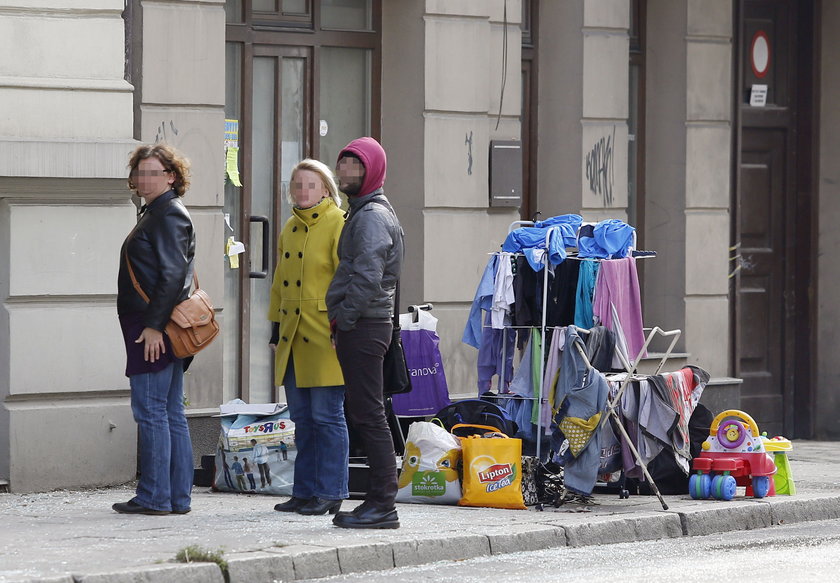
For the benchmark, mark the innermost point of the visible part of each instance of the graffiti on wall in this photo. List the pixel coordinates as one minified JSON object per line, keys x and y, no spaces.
{"x":468,"y":141}
{"x":161,"y":132}
{"x":600,"y":168}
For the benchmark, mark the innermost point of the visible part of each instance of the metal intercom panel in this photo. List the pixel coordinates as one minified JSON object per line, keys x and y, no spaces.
{"x":505,"y":173}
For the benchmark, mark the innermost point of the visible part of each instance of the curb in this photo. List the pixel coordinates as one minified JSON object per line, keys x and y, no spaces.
{"x":302,"y":562}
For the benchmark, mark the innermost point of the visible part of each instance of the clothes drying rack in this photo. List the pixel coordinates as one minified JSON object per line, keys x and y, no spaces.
{"x":629,"y":374}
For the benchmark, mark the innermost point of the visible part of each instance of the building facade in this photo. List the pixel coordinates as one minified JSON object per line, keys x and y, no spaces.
{"x":648,"y":111}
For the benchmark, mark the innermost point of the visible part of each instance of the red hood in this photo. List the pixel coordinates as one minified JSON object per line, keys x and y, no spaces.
{"x":373,"y":159}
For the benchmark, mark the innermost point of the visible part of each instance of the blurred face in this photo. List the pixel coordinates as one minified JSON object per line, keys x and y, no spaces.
{"x":307,"y":189}
{"x":151,"y":179}
{"x":350,"y":172}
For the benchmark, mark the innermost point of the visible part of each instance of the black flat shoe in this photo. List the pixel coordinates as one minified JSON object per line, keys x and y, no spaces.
{"x":181,"y":511}
{"x":318,"y":506}
{"x":369,"y":517}
{"x":132,"y":507}
{"x":291,"y":505}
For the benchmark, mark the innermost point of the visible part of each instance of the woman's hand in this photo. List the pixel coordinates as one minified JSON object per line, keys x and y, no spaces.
{"x":154,"y":345}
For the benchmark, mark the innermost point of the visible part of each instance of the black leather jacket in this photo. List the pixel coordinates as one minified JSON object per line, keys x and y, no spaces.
{"x":161,"y":248}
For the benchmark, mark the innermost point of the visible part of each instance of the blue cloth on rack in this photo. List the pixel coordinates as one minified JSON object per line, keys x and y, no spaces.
{"x":615,"y":237}
{"x":483,"y":301}
{"x":491,"y":358}
{"x":585,"y":293}
{"x":608,"y":239}
{"x":550,"y":236}
{"x":569,"y":225}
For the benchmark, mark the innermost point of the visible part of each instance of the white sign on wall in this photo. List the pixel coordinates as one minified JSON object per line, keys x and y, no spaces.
{"x":758,"y":95}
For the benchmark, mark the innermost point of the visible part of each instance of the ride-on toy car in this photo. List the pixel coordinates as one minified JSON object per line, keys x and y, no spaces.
{"x":733,"y":455}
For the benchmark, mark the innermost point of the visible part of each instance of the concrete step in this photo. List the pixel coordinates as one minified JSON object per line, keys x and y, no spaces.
{"x":722,"y":393}
{"x":675,"y":361}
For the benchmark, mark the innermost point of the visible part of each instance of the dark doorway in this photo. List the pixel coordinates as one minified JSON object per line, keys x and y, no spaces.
{"x":772,"y":219}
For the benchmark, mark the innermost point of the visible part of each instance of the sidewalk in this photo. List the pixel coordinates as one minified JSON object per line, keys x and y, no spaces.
{"x":75,"y":536}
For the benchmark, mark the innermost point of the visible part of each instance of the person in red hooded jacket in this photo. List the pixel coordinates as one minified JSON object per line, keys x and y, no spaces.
{"x":360,"y":306}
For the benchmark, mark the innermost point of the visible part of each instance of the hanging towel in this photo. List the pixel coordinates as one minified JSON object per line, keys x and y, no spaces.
{"x":618,"y":285}
{"x":585,"y":292}
{"x":502,"y":291}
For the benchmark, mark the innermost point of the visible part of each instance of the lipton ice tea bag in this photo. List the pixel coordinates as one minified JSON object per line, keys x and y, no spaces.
{"x":492,"y":472}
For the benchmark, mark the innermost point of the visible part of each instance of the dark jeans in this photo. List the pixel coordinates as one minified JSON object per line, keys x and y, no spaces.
{"x":360,"y":353}
{"x":265,"y":474}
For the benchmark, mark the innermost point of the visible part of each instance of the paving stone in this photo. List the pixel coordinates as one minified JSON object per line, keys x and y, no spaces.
{"x":623,"y":528}
{"x":180,"y":573}
{"x":526,"y":537}
{"x":790,"y":509}
{"x":310,"y":561}
{"x":712,"y":516}
{"x":366,"y":557}
{"x":260,"y":566}
{"x":445,"y":547}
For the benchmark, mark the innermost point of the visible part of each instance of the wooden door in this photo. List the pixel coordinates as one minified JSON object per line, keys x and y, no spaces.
{"x":772,"y":222}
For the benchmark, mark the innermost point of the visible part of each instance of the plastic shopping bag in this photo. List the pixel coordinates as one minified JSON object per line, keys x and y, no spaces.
{"x":492,"y":472}
{"x":429,"y":391}
{"x":429,"y":472}
{"x":256,"y":453}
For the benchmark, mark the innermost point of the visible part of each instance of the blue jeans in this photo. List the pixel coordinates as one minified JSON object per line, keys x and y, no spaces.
{"x":166,"y":461}
{"x":323,"y":445}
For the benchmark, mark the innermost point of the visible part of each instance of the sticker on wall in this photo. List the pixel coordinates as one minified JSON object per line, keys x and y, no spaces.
{"x":323,"y":128}
{"x":232,"y":166}
{"x":231,"y":133}
{"x":233,"y":249}
{"x":760,"y":54}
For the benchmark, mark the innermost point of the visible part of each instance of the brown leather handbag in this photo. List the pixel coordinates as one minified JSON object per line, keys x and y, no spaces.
{"x":192,"y":325}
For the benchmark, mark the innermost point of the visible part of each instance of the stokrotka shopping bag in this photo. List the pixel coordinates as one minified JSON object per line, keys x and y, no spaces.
{"x":492,"y":472}
{"x":429,"y":391}
{"x":430,"y":467}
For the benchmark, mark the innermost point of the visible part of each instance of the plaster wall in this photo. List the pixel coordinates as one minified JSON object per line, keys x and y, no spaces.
{"x":184,"y":106}
{"x":63,"y":205}
{"x":403,"y":98}
{"x":560,"y":133}
{"x":708,"y":194}
{"x":665,"y":165}
{"x":438,"y":138}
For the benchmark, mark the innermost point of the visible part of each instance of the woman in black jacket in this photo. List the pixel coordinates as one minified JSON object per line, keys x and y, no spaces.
{"x":159,"y":252}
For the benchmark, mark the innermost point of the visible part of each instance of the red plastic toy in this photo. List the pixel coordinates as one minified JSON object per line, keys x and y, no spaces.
{"x":733,"y":455}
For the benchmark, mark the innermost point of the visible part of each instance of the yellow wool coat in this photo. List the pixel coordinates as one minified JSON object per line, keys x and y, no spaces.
{"x":307,"y":257}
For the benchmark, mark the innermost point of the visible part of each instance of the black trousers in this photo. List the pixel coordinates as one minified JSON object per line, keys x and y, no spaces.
{"x":360,"y":353}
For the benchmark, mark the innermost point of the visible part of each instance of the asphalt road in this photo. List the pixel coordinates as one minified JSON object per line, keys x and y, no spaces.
{"x":781,"y":554}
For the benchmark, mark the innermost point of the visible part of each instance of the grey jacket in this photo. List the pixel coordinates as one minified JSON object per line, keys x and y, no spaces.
{"x":370,"y":253}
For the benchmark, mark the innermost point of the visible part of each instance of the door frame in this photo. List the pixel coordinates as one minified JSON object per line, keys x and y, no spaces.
{"x":262,"y":39}
{"x":802,"y":171}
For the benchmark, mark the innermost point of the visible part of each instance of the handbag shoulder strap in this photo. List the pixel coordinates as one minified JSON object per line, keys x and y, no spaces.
{"x":137,"y":283}
{"x":397,"y":305}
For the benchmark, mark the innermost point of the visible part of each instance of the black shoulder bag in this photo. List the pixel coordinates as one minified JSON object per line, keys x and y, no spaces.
{"x":395,"y":377}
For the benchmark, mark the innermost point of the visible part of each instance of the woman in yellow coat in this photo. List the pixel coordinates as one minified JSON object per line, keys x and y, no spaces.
{"x":305,"y":358}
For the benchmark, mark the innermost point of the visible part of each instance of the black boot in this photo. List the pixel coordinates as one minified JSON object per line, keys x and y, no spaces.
{"x":291,"y":505}
{"x":318,"y":506}
{"x":368,"y":516}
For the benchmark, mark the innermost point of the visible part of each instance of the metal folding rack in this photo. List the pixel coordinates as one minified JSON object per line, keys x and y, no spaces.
{"x":630,"y":367}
